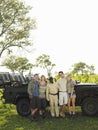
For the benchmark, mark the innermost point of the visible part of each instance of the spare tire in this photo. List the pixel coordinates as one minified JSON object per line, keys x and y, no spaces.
{"x":23,"y":107}
{"x":90,"y":106}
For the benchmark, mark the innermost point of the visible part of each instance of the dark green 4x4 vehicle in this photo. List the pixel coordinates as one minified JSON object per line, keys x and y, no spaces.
{"x":15,"y":92}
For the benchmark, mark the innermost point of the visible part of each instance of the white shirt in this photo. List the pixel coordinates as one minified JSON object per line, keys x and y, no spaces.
{"x":62,"y":82}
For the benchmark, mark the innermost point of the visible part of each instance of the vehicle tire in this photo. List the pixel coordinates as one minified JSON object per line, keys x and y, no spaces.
{"x":23,"y":107}
{"x":90,"y":106}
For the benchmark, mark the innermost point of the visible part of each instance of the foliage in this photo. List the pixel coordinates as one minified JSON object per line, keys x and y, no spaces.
{"x":19,"y":64}
{"x":43,"y":61}
{"x":82,"y":68}
{"x":91,"y":69}
{"x":15,"y":25}
{"x":83,"y":78}
{"x":86,"y":78}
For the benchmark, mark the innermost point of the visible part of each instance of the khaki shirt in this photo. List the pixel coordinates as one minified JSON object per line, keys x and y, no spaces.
{"x":51,"y":89}
{"x":62,"y":82}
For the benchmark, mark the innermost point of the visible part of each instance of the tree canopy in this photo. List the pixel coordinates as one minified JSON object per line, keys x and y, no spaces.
{"x":15,"y":25}
{"x":20,"y":64}
{"x":43,"y":61}
{"x":82,"y":68}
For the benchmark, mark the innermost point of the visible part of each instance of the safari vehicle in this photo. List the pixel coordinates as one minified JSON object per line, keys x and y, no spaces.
{"x":87,"y":98}
{"x":15,"y":92}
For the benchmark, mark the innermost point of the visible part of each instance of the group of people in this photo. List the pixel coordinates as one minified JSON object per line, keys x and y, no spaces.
{"x":60,"y":93}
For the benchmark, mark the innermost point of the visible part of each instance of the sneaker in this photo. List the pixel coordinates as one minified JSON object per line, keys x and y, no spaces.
{"x":73,"y":113}
{"x":63,"y":115}
{"x":53,"y":115}
{"x":70,"y":113}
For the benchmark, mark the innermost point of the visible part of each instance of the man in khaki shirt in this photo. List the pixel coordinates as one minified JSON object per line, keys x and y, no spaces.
{"x":52,"y":96}
{"x":63,"y":97}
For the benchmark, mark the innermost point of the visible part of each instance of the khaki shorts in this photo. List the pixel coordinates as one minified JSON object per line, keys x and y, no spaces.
{"x":71,"y":96}
{"x":63,"y":98}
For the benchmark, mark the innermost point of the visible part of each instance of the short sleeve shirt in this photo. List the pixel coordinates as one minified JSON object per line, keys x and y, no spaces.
{"x":62,"y":82}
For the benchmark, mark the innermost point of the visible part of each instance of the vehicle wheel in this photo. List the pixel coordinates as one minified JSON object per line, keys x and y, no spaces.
{"x":23,"y":107}
{"x":89,"y":106}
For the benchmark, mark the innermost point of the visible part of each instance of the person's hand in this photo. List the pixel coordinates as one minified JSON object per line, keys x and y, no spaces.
{"x":47,"y":99}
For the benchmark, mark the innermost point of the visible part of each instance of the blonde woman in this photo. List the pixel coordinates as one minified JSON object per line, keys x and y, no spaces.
{"x":42,"y":95}
{"x":71,"y":95}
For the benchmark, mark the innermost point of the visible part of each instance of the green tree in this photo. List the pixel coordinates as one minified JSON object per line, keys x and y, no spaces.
{"x":91,"y":69}
{"x":23,"y":64}
{"x":80,"y":67}
{"x":10,"y":63}
{"x":20,"y":64}
{"x":44,"y":62}
{"x":15,"y":25}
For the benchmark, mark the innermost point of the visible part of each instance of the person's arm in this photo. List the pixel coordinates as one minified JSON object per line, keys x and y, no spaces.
{"x":30,"y":89}
{"x":47,"y":93}
{"x":72,"y":88}
{"x":57,"y":86}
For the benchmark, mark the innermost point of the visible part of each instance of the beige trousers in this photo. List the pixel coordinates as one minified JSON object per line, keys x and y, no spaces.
{"x":54,"y":105}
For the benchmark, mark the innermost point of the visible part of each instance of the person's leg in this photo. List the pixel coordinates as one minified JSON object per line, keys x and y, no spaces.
{"x":44,"y":108}
{"x":33,"y":108}
{"x":69,"y":107}
{"x":56,"y":106}
{"x":61,"y":103}
{"x":52,"y":106}
{"x":73,"y":104}
{"x":61,"y":114}
{"x":34,"y":111}
{"x":40,"y":106}
{"x":63,"y":110}
{"x":65,"y":101}
{"x":44,"y":104}
{"x":36,"y":105}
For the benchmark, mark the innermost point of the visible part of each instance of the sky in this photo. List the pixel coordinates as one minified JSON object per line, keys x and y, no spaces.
{"x":67,"y":30}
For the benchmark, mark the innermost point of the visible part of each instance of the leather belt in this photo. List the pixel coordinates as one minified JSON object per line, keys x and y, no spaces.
{"x":53,"y":93}
{"x":63,"y":91}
